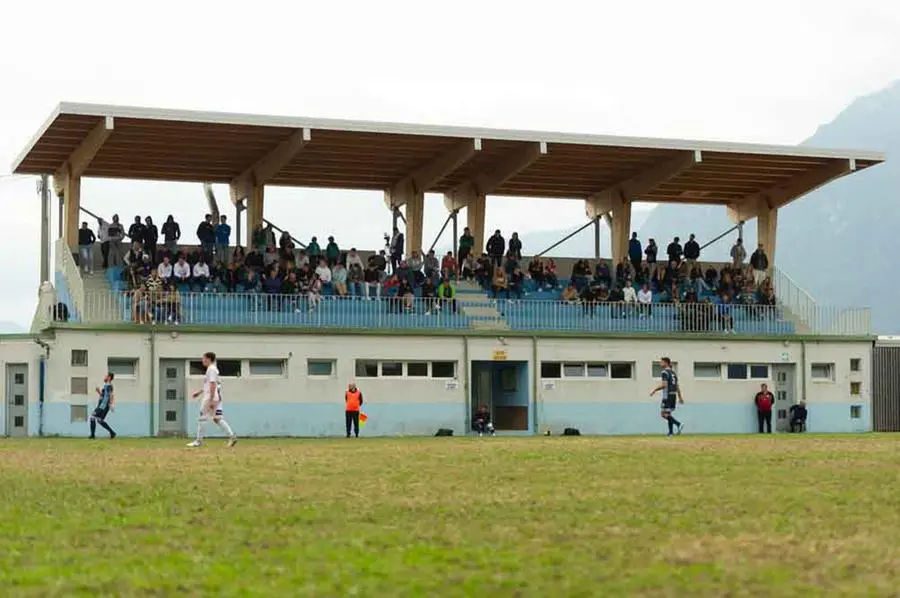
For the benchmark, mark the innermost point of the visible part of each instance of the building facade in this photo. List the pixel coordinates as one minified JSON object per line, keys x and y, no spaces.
{"x":288,"y":382}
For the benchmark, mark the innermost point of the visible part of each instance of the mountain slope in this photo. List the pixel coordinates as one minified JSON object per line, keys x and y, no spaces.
{"x":837,"y":242}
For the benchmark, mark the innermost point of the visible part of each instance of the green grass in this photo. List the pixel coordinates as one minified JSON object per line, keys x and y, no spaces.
{"x":775,"y":516}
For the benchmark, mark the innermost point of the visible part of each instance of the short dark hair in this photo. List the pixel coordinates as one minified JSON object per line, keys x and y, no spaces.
{"x":210,"y":356}
{"x":666,"y":360}
{"x":111,"y":375}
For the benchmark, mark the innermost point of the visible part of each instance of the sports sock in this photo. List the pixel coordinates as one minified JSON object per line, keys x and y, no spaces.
{"x":225,"y":427}
{"x":200,"y":423}
{"x":674,"y":421}
{"x":671,"y":425}
{"x":93,"y":427}
{"x":107,"y":428}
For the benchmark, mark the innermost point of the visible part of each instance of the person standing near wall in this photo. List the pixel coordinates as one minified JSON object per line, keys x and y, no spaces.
{"x":353,"y":401}
{"x":764,"y":401}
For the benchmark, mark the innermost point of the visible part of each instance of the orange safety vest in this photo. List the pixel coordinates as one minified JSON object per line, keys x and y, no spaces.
{"x":352,"y":400}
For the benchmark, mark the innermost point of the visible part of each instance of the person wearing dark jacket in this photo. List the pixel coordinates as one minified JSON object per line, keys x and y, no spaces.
{"x":674,"y":251}
{"x":691,"y":252}
{"x":764,"y":402}
{"x":151,"y":237}
{"x":759,"y":261}
{"x":136,"y":231}
{"x":798,"y":416}
{"x":206,"y":234}
{"x":495,"y":248}
{"x":171,"y":232}
{"x":515,"y":246}
{"x":635,"y":252}
{"x":481,"y":423}
{"x":86,"y":240}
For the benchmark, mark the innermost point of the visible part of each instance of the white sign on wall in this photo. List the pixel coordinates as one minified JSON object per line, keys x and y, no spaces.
{"x":549,"y":385}
{"x":451,"y":384}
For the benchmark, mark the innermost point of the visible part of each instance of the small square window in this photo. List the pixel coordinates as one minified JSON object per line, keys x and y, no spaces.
{"x":417,"y":369}
{"x":443,"y":369}
{"x":856,"y":388}
{"x":79,"y":358}
{"x":121,"y":366}
{"x":620,"y":371}
{"x":551,"y":369}
{"x":171,"y":416}
{"x":391,"y":369}
{"x":782,"y":413}
{"x":78,"y":413}
{"x":823,"y":372}
{"x":19,"y":378}
{"x":267,"y":367}
{"x":855,"y":411}
{"x":573,"y":370}
{"x":171,"y":394}
{"x":657,"y":369}
{"x":171,"y":373}
{"x":759,"y":371}
{"x":19,"y":400}
{"x":707,"y":370}
{"x":19,"y":421}
{"x":597,"y":370}
{"x":320,"y":367}
{"x":736,"y":371}
{"x":78,"y":386}
{"x":366,"y":368}
{"x":856,"y":364}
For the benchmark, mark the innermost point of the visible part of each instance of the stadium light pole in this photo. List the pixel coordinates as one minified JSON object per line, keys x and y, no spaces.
{"x":44,"y":192}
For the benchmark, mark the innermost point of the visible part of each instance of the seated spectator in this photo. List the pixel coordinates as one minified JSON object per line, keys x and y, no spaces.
{"x":500,"y":283}
{"x":645,"y":301}
{"x":449,"y":266}
{"x":332,"y":252}
{"x":355,"y":279}
{"x":339,"y":279}
{"x":314,"y":296}
{"x":271,"y":286}
{"x":469,"y":266}
{"x":413,"y":265}
{"x":182,"y":271}
{"x":270,"y":258}
{"x":798,"y":415}
{"x":431,"y":265}
{"x":201,"y":274}
{"x":481,"y":423}
{"x":259,"y":239}
{"x":446,"y":293}
{"x":254,"y":259}
{"x":624,"y":270}
{"x":238,"y":256}
{"x":140,"y":271}
{"x":250,"y":281}
{"x":380,"y":260}
{"x":484,"y":273}
{"x":536,"y":272}
{"x":165,"y":270}
{"x":589,"y":296}
{"x":86,"y":240}
{"x":510,"y":263}
{"x":232,"y":277}
{"x":570,"y":294}
{"x":324,"y":274}
{"x":170,"y":305}
{"x":291,"y":289}
{"x":550,"y":278}
{"x":135,"y":254}
{"x":405,"y":295}
{"x":429,"y":296}
{"x":580,"y":274}
{"x":372,"y":278}
{"x":516,"y":284}
{"x":629,"y":295}
{"x":354,"y":258}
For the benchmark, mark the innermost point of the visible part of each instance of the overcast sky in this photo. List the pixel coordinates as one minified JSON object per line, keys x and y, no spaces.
{"x":767,"y":71}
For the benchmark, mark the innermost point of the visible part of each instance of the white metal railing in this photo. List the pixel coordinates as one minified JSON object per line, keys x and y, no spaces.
{"x":801,"y":305}
{"x":68,"y":269}
{"x":252,"y":309}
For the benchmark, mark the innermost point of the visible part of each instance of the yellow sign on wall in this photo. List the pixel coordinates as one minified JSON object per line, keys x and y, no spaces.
{"x":499,"y":355}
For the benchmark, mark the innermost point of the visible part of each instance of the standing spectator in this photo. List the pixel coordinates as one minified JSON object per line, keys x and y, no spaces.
{"x":116,"y":236}
{"x":738,"y":255}
{"x":314,"y":251}
{"x":764,"y":401}
{"x":103,"y":237}
{"x":258,"y":239}
{"x":466,"y":242}
{"x":286,"y":247}
{"x":223,"y":239}
{"x":86,"y":241}
{"x":396,"y":246}
{"x":724,"y":314}
{"x":206,"y":233}
{"x":674,"y":251}
{"x":332,"y":252}
{"x":651,"y":251}
{"x":515,"y":247}
{"x":353,"y":401}
{"x":635,"y":252}
{"x":798,"y":415}
{"x":495,"y":248}
{"x":171,"y":233}
{"x":136,"y":231}
{"x":759,"y":261}
{"x":691,"y":252}
{"x":151,"y":237}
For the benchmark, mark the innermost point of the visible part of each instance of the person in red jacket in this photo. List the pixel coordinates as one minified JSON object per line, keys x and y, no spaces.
{"x":764,"y":401}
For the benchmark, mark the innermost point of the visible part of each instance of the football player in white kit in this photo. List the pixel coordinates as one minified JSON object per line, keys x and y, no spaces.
{"x":211,"y":403}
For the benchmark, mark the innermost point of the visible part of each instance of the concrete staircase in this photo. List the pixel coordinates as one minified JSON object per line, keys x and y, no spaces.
{"x":478,"y":307}
{"x":100,"y":302}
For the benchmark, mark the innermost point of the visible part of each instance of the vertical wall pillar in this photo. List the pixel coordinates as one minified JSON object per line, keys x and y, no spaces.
{"x":415,"y":213}
{"x":475,"y":213}
{"x":255,"y":209}
{"x":766,"y":227}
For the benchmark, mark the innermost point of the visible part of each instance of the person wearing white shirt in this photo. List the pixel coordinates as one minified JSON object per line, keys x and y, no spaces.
{"x":182,"y":271}
{"x":354,"y":258}
{"x":645,"y":299}
{"x":165,"y":269}
{"x":630,"y":294}
{"x":324,"y":272}
{"x":103,"y":238}
{"x":201,"y":273}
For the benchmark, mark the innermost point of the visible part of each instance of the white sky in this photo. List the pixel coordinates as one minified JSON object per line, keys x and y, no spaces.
{"x":766,"y":71}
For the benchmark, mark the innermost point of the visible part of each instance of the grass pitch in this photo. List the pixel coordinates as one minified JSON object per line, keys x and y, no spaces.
{"x":693,"y":516}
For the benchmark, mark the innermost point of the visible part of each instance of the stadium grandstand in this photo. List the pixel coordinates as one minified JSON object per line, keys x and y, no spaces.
{"x":542,"y":343}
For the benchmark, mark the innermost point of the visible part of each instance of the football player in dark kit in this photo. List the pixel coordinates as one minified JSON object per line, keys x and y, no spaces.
{"x":105,"y":402}
{"x":670,"y":392}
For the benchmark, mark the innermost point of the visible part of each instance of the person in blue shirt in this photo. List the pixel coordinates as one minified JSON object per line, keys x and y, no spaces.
{"x":223,"y":235}
{"x":670,"y":393}
{"x":106,"y":402}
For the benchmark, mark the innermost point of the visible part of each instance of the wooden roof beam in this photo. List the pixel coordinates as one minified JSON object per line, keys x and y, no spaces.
{"x":268,"y":166}
{"x":79,"y":160}
{"x":489,"y":181}
{"x":426,"y":176}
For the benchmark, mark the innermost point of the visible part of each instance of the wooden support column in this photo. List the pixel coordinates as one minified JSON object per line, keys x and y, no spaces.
{"x":255,"y":210}
{"x":415,"y":216}
{"x":766,"y":232}
{"x":68,"y":188}
{"x":475,"y":212}
{"x":621,"y":228}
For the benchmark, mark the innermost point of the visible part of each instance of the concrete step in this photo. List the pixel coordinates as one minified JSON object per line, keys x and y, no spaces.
{"x":487,"y":311}
{"x":489,"y":325}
